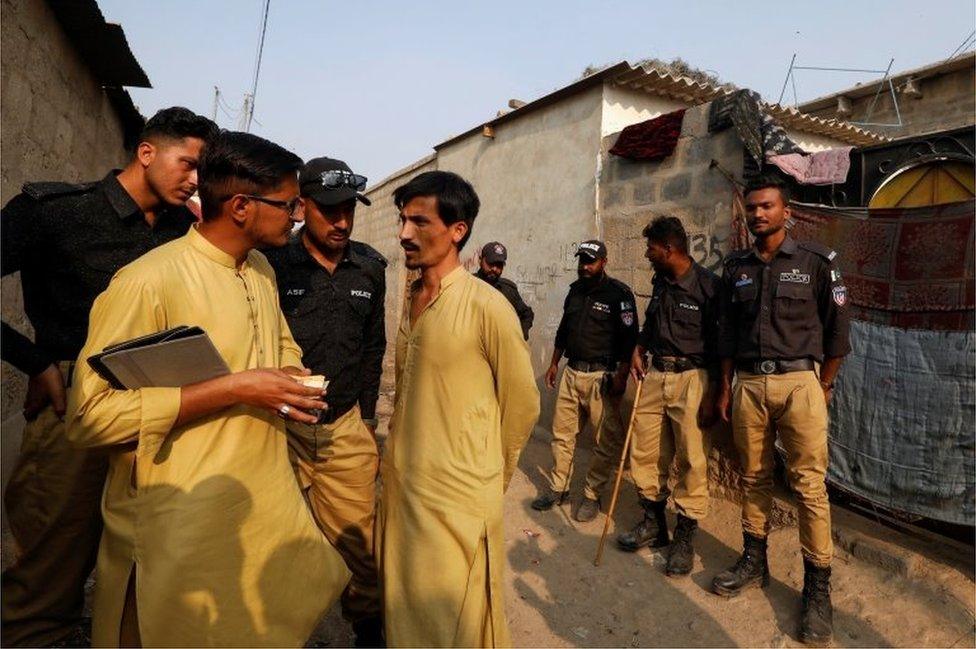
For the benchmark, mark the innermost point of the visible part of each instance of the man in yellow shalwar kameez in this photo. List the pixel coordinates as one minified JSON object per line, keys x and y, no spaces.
{"x":466,"y":402}
{"x":207,"y":539}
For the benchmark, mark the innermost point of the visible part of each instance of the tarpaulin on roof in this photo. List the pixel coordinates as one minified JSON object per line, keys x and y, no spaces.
{"x":760,"y":133}
{"x":827,"y":167}
{"x":903,"y":421}
{"x":653,"y":139}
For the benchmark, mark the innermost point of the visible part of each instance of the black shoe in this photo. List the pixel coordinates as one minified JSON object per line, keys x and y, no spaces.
{"x":651,"y":531}
{"x":681,"y":555}
{"x":369,"y":633}
{"x":547,"y":498}
{"x":749,"y":571}
{"x":588,"y":510}
{"x":816,"y":612}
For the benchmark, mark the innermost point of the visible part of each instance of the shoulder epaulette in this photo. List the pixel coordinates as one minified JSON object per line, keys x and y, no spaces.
{"x":368,"y":251}
{"x":41,"y":191}
{"x":818,"y":248}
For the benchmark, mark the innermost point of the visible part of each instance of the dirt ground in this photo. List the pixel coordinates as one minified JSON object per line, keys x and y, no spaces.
{"x":556,"y":597}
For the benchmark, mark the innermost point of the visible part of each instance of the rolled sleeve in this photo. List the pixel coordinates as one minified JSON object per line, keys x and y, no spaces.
{"x":159,"y":409}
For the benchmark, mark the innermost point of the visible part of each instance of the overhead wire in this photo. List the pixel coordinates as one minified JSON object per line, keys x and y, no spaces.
{"x":970,"y":40}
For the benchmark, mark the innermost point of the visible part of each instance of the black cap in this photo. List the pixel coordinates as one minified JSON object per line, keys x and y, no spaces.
{"x":494,"y":252}
{"x":593,"y":249}
{"x":310,"y":182}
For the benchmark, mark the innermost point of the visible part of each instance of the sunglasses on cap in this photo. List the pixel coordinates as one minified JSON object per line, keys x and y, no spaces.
{"x":336,"y":178}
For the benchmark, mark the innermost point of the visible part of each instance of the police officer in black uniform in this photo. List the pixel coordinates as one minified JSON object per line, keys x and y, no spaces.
{"x":677,"y":397}
{"x":784,"y":332}
{"x":332,"y":293}
{"x":67,"y":240}
{"x":491,"y":266}
{"x":597,"y":334}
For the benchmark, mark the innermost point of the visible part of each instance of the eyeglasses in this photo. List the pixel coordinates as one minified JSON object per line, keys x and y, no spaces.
{"x":336,"y":178}
{"x":291,"y":207}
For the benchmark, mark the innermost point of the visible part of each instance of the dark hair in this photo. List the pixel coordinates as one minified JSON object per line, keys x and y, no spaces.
{"x":241,"y":163}
{"x":668,"y":230}
{"x":456,"y":198}
{"x":768,"y":182}
{"x":177,"y":123}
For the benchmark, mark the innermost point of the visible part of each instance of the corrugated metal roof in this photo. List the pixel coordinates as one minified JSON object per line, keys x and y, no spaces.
{"x":663,"y":84}
{"x":102,"y":45}
{"x":103,"y":48}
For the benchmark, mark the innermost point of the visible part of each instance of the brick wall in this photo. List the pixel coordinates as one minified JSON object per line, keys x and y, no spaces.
{"x":57,"y":124}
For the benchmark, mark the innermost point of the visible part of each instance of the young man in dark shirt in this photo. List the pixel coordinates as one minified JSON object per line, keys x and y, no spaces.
{"x":677,"y":398}
{"x":597,"y":334}
{"x":67,"y":241}
{"x":784,"y":317}
{"x":332,"y":292}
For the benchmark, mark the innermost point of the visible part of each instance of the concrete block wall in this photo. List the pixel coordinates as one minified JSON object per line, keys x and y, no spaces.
{"x":57,"y":124}
{"x":685,"y":185}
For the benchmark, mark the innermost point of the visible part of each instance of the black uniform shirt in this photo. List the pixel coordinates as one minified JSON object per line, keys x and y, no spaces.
{"x":508,"y":288}
{"x":68,"y":241}
{"x":682,"y":316}
{"x":599,"y":323}
{"x":793,"y":307}
{"x":337,"y":319}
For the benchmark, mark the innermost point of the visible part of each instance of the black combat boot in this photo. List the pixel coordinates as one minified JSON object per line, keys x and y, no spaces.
{"x":681,"y":555}
{"x":750,"y":570}
{"x":816,"y":612}
{"x":651,"y":531}
{"x":369,"y":633}
{"x":547,"y":498}
{"x":588,"y":510}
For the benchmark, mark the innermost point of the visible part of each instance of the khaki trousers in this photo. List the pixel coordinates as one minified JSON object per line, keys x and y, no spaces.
{"x":794,"y":404}
{"x":53,"y":503}
{"x":666,"y":430}
{"x":580,"y":395}
{"x":336,"y":465}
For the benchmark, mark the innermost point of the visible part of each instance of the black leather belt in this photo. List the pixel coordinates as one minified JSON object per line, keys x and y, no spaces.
{"x":588,"y":366}
{"x":775,"y":367}
{"x":673,"y":363}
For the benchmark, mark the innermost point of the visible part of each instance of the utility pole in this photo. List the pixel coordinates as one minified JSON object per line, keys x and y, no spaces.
{"x":247,"y":113}
{"x":216,"y":102}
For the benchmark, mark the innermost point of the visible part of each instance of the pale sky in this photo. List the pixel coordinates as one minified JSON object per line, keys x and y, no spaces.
{"x":378,"y":84}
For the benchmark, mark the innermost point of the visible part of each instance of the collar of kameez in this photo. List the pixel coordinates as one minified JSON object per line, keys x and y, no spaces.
{"x":448,"y":279}
{"x":210,"y":251}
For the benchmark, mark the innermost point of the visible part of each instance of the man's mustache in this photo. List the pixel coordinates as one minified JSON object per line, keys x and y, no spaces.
{"x":409,"y":246}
